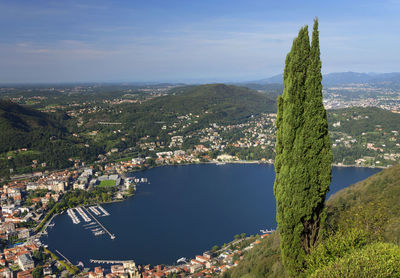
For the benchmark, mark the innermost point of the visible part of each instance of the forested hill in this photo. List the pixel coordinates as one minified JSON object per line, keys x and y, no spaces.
{"x":214,"y":103}
{"x":49,"y":136}
{"x":225,"y":102}
{"x":29,"y":136}
{"x":21,"y":126}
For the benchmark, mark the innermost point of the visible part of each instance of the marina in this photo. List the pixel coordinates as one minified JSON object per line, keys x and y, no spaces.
{"x":98,"y":222}
{"x":95,"y":227}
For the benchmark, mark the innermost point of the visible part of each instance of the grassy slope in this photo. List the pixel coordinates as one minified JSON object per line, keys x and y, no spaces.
{"x":263,"y":261}
{"x":373,"y":204}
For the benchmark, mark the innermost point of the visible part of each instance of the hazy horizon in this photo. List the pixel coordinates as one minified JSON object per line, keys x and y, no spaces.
{"x":187,"y":42}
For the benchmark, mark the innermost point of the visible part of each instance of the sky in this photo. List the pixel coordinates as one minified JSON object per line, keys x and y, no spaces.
{"x":188,"y":40}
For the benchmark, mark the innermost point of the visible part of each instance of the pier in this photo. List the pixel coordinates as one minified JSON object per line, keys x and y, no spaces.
{"x":266,"y":231}
{"x":101,"y":225}
{"x":94,"y":210}
{"x":83,"y":214}
{"x":65,"y":258}
{"x":109,"y":261}
{"x":103,"y":210}
{"x":73,"y":216}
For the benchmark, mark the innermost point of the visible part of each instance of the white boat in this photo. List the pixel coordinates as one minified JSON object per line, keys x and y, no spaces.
{"x":266,"y":231}
{"x":98,"y":233}
{"x":181,"y":260}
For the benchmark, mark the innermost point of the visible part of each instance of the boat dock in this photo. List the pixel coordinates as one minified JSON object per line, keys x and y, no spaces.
{"x":266,"y":231}
{"x":73,"y":216}
{"x":101,"y":225}
{"x":105,"y":213}
{"x":83,"y":214}
{"x":94,"y":210}
{"x":109,"y":261}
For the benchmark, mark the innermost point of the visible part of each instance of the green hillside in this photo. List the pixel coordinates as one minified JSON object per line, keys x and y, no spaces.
{"x":30,"y":137}
{"x":215,"y":102}
{"x":48,"y":136}
{"x":362,"y":235}
{"x":373,"y":204}
{"x":366,"y":136}
{"x":357,"y":120}
{"x":226,"y":102}
{"x":22,"y":127}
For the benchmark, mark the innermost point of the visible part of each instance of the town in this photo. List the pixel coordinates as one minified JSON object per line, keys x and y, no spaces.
{"x":34,"y":193}
{"x":28,"y":209}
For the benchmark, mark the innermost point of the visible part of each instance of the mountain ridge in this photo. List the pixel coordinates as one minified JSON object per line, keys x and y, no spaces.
{"x":340,"y":78}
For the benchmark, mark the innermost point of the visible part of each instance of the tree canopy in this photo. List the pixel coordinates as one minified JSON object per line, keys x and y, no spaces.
{"x":303,"y":152}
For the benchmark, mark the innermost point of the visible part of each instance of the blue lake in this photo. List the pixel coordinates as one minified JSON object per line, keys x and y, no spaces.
{"x":184,"y":211}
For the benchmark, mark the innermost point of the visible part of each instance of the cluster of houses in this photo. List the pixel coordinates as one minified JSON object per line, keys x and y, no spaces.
{"x":13,"y":207}
{"x":257,"y":132}
{"x":20,"y":258}
{"x":206,"y":265}
{"x":127,"y":269}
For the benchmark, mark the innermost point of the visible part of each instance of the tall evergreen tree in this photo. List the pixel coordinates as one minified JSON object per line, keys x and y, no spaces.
{"x":303,"y":153}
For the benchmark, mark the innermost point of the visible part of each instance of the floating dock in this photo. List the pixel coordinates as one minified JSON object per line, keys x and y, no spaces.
{"x":109,"y":261}
{"x":105,"y":213}
{"x":94,"y":210}
{"x":73,"y":216}
{"x":83,"y":214}
{"x":101,"y":225}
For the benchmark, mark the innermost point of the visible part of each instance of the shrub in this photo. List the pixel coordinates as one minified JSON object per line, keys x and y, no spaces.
{"x":378,"y":260}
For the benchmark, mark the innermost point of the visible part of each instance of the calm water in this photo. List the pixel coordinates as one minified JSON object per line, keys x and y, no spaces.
{"x":184,"y":211}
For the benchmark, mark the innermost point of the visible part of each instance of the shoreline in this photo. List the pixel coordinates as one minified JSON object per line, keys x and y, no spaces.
{"x":204,"y":163}
{"x":247,"y":162}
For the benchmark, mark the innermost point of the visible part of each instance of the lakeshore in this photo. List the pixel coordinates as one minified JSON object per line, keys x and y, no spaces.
{"x":242,"y":202}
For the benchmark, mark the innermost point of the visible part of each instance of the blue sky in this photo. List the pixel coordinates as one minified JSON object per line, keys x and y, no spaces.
{"x":182,"y":41}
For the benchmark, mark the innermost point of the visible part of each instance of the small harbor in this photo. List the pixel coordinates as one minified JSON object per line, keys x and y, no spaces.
{"x":94,"y":226}
{"x":112,"y":236}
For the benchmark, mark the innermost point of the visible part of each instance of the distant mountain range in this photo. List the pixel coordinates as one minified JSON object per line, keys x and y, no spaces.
{"x":339,"y":78}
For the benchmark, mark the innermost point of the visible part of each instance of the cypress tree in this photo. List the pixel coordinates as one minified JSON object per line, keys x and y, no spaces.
{"x":303,"y":153}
